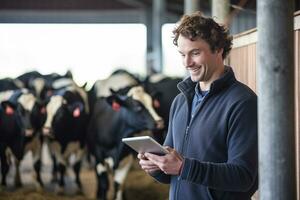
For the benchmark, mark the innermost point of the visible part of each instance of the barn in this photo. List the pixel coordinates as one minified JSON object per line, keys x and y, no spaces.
{"x":83,"y":65}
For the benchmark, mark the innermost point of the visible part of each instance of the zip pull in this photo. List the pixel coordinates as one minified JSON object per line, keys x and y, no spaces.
{"x":186,"y":132}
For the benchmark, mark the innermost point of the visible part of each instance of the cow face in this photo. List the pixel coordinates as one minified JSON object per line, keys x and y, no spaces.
{"x":8,"y":118}
{"x":38,"y":115}
{"x":26,"y":103}
{"x":137,"y":109}
{"x":56,"y":107}
{"x":62,"y":111}
{"x":17,"y":113}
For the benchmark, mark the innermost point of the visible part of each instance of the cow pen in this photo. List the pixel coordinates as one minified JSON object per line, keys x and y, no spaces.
{"x":138,"y":185}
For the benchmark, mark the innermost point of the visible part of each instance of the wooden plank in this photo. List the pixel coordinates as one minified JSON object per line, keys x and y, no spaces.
{"x":243,"y":60}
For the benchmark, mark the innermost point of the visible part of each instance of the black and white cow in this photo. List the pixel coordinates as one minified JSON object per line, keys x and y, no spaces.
{"x":19,"y":110}
{"x":42,"y":85}
{"x":10,"y":84}
{"x":65,"y":128}
{"x":119,"y":80}
{"x":163,"y":90}
{"x":113,"y":118}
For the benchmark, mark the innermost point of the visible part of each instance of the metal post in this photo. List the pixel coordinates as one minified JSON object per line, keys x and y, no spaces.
{"x":191,"y":6}
{"x":149,"y":24}
{"x":220,"y":10}
{"x":276,"y":105}
{"x":158,"y":20}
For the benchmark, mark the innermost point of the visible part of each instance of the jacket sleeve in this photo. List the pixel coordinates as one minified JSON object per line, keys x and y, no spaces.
{"x":240,"y":171}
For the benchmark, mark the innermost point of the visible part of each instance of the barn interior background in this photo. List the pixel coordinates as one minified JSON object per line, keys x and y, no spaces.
{"x":93,"y":38}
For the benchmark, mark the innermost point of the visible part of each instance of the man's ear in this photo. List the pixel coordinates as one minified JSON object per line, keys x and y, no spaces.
{"x":220,"y":51}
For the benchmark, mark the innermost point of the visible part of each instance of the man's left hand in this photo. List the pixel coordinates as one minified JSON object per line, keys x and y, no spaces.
{"x":170,"y":163}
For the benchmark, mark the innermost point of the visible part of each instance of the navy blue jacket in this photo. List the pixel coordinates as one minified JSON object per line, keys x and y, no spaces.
{"x":219,"y":143}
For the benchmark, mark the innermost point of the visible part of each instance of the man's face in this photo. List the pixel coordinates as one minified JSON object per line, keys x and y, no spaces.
{"x":199,"y":60}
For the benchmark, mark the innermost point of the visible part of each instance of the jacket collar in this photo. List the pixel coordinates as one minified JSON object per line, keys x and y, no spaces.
{"x":187,"y":86}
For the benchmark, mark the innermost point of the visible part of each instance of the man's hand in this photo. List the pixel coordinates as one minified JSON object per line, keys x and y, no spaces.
{"x":169,"y":163}
{"x":146,"y":164}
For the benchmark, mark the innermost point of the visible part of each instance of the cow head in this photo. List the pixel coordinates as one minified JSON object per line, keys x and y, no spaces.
{"x":8,"y":116}
{"x":37,"y":85}
{"x":20,"y":106}
{"x":136,"y":108}
{"x":38,"y":115}
{"x":62,"y":109}
{"x":26,"y":103}
{"x":10,"y":129}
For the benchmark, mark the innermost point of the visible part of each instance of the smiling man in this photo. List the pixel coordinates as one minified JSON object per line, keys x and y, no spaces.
{"x":212,"y":136}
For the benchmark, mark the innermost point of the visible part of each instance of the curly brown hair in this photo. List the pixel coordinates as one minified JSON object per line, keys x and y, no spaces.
{"x":196,"y":26}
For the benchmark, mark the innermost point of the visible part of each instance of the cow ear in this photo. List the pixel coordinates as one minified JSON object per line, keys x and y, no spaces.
{"x":84,"y":86}
{"x":112,"y":91}
{"x":116,"y":101}
{"x":76,"y":109}
{"x":156,"y":95}
{"x":156,"y":103}
{"x":69,"y":74}
{"x":76,"y":112}
{"x":115,"y":106}
{"x":8,"y":107}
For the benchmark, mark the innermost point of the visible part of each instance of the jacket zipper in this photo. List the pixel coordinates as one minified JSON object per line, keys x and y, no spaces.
{"x":186,"y":137}
{"x":186,"y":134}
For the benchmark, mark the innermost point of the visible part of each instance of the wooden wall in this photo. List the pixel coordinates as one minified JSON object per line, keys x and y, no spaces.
{"x":297,"y":101}
{"x":243,"y":61}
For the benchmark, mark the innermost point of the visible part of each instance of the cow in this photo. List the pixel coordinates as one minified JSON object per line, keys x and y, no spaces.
{"x":10,"y":84}
{"x":18,"y":133}
{"x":120,"y":80}
{"x":114,"y":117}
{"x":41,"y":85}
{"x":163,"y":90}
{"x":65,"y":130}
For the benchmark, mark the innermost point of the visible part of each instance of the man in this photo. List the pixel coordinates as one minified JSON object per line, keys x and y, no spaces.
{"x":212,"y":136}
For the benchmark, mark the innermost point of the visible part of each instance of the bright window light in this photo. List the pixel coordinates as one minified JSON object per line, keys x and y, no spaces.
{"x":172,"y":60}
{"x":90,"y":51}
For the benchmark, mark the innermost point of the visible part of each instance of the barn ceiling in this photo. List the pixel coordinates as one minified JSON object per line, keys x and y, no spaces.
{"x":173,"y":6}
{"x":108,"y":10}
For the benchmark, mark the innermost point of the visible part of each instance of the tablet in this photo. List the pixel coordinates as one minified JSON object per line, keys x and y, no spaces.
{"x":143,"y":144}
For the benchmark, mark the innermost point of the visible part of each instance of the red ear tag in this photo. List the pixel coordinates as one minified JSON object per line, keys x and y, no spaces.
{"x":43,"y":110}
{"x":9,"y":110}
{"x":156,"y":103}
{"x":116,"y":106}
{"x":76,"y":112}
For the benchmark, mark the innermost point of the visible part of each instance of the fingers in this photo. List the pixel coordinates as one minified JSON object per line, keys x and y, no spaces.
{"x":147,"y":165}
{"x":159,"y":161}
{"x":169,"y":149}
{"x":170,"y":163}
{"x":141,"y":156}
{"x":154,"y":158}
